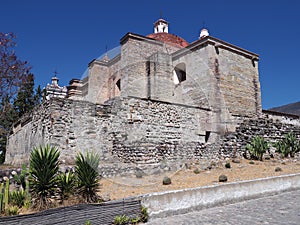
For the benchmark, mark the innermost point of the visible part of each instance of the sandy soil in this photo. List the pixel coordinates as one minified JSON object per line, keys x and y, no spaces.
{"x":121,"y":187}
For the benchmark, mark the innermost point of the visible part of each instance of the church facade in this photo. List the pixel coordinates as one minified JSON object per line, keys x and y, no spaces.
{"x":160,"y":98}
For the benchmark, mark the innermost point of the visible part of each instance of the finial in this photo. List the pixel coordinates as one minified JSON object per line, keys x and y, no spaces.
{"x":161,"y":14}
{"x":105,"y":57}
{"x":204,"y":32}
{"x":55,"y":73}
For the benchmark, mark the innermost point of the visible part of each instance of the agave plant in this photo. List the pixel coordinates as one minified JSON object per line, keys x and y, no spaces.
{"x":88,"y":176}
{"x":44,"y":166}
{"x":66,"y":183}
{"x":257,"y":147}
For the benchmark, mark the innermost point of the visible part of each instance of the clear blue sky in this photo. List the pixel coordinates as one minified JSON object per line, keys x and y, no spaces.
{"x":66,"y":35}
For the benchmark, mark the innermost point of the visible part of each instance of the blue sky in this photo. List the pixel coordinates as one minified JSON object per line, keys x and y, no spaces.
{"x":66,"y":35}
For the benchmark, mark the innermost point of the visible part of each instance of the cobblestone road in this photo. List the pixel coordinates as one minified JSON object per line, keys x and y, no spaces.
{"x":278,"y":209}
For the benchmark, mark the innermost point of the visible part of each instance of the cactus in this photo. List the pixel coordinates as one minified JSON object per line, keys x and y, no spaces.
{"x":6,"y":195}
{"x":1,"y":197}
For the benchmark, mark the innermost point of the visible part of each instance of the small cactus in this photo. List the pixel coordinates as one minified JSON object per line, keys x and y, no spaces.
{"x":6,"y":195}
{"x":167,"y":181}
{"x":227,"y":165}
{"x":223,"y":178}
{"x":196,"y":171}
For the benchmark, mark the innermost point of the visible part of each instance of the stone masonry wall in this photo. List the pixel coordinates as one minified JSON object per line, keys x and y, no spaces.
{"x":131,"y":133}
{"x":272,"y":129}
{"x":121,"y":130}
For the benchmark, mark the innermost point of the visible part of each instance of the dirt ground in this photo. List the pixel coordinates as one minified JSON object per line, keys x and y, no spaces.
{"x":122,"y":187}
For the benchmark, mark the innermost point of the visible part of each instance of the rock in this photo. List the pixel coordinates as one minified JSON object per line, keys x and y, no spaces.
{"x":278,"y":169}
{"x":223,"y":178}
{"x":196,"y":171}
{"x":167,"y":181}
{"x":236,"y":161}
{"x":139,"y":174}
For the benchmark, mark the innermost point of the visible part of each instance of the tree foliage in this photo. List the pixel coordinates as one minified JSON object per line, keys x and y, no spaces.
{"x":7,"y":118}
{"x":13,"y":71}
{"x":25,"y":100}
{"x":17,"y":95}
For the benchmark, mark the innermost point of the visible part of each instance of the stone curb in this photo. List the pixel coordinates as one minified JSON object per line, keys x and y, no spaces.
{"x":163,"y":204}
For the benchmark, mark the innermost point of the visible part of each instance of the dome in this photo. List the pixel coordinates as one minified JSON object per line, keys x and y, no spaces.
{"x":169,"y":39}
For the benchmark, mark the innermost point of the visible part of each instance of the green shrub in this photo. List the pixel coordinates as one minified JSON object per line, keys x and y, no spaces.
{"x":88,"y":222}
{"x":167,"y":181}
{"x":88,"y":176}
{"x":144,"y":215}
{"x":66,"y":183}
{"x":44,"y":166}
{"x":17,"y":198}
{"x":135,"y":220}
{"x":289,"y":145}
{"x":12,"y":210}
{"x":121,"y":220}
{"x":20,"y":179}
{"x":257,"y":147}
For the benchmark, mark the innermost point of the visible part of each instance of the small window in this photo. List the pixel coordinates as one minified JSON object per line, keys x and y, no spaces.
{"x":118,"y":84}
{"x":179,"y":74}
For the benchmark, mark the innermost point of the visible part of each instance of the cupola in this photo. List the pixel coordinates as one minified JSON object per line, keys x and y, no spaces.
{"x":161,"y":26}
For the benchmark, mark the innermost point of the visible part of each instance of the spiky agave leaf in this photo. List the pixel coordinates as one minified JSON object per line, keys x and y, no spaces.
{"x":88,"y":176}
{"x":66,"y":184}
{"x":44,"y":166}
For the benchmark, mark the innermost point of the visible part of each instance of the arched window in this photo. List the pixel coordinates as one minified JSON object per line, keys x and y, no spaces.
{"x":179,"y":73}
{"x":118,"y":84}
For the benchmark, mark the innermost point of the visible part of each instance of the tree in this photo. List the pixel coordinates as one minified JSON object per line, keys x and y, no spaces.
{"x":9,"y":116}
{"x":26,"y":99}
{"x":38,"y":96}
{"x":13,"y":71}
{"x":13,"y":74}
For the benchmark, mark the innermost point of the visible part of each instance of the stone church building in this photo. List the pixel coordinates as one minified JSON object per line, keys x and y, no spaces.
{"x":160,"y":98}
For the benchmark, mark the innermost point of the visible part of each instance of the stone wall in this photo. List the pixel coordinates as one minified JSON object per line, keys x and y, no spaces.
{"x":272,"y":128}
{"x":238,"y":82}
{"x":131,"y":132}
{"x":121,"y":130}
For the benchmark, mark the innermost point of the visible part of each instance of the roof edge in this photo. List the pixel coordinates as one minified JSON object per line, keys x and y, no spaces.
{"x":218,"y":44}
{"x":125,"y":38}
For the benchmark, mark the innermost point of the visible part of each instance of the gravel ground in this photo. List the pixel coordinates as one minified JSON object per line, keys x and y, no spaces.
{"x":121,"y":187}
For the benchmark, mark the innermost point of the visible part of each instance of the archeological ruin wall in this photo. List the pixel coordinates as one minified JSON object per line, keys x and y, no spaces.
{"x":131,"y":133}
{"x":272,"y":128}
{"x":68,"y":124}
{"x":147,"y":131}
{"x":121,"y":130}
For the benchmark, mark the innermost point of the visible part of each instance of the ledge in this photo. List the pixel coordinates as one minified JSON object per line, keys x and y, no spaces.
{"x":169,"y":203}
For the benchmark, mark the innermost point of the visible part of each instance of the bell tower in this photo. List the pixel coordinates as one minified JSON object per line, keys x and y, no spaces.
{"x":161,"y":26}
